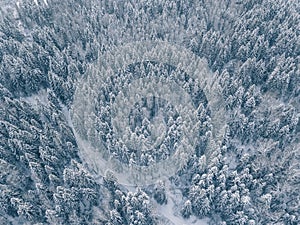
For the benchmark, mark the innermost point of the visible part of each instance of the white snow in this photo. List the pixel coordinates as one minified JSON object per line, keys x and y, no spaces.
{"x":37,"y":99}
{"x":171,"y":212}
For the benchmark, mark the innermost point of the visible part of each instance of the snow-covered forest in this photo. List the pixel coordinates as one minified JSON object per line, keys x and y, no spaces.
{"x":150,"y":112}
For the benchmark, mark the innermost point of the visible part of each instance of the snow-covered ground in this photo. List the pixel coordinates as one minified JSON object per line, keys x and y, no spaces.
{"x":37,"y":99}
{"x":170,"y":210}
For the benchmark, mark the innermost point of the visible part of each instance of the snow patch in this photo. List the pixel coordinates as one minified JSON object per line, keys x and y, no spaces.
{"x":37,"y":99}
{"x":170,"y":211}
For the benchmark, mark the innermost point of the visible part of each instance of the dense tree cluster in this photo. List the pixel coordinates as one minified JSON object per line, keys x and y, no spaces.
{"x":147,"y":115}
{"x":127,"y":208}
{"x":253,"y":46}
{"x":42,"y":179}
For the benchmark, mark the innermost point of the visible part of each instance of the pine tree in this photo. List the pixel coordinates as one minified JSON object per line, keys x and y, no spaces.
{"x":160,"y":193}
{"x":186,"y":211}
